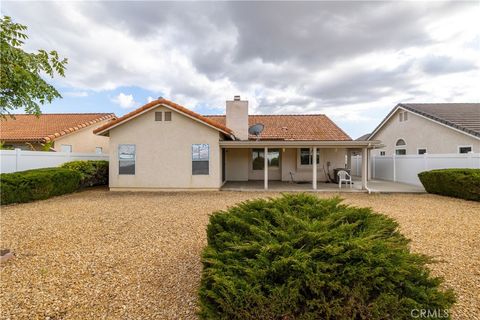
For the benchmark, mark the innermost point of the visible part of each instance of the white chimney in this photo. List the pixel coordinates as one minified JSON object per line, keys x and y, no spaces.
{"x":237,"y":117}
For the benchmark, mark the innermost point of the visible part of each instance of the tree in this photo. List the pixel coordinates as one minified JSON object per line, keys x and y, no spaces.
{"x":21,"y":82}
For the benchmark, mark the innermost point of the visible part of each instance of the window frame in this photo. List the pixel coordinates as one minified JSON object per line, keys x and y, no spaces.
{"x":169,"y":113}
{"x":422,"y":148}
{"x":125,"y":160}
{"x":382,"y":153}
{"x":195,"y":171}
{"x":259,"y":151}
{"x":465,"y":146}
{"x":400,"y":149}
{"x":310,"y":157}
{"x":160,"y":116}
{"x":66,"y":145}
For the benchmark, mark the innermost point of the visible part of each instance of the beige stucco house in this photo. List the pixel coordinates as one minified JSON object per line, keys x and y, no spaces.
{"x":433,"y":128}
{"x":66,"y":132}
{"x":165,"y":146}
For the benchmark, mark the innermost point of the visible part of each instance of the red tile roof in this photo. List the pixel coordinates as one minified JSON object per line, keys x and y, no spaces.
{"x":170,"y":104}
{"x":316,"y":127}
{"x":46,"y":127}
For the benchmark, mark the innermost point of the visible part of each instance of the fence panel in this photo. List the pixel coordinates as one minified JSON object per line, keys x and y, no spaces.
{"x":21,"y":160}
{"x":406,"y":168}
{"x":383,"y":169}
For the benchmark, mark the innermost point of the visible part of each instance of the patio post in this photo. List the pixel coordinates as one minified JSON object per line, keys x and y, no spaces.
{"x":364,"y":167}
{"x":265,"y":168}
{"x":314,"y":170}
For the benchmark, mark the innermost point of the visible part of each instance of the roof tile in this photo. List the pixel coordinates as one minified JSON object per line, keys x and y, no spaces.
{"x":46,"y":127}
{"x":315,"y":127}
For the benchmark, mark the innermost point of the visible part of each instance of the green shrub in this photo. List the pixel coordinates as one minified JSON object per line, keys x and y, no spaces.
{"x":26,"y":186}
{"x":299,"y":257}
{"x":458,"y":183}
{"x":93,"y":173}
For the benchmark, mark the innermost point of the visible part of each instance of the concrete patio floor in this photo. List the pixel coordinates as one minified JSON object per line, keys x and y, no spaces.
{"x":377,"y":186}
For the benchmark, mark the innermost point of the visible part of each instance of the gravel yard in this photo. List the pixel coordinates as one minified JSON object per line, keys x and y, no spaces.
{"x":99,"y":254}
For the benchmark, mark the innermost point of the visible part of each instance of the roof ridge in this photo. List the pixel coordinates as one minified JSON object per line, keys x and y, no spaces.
{"x":169,"y":104}
{"x":67,"y":113}
{"x":273,"y":115}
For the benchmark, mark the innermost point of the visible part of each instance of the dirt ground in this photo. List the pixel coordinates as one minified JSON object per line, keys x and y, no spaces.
{"x":99,"y":254}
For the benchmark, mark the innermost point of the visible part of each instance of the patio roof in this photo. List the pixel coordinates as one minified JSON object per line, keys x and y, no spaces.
{"x":352,"y":144}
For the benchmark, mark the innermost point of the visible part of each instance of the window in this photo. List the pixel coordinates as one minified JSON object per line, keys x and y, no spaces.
{"x":126,"y":159}
{"x":158,"y":116}
{"x":66,"y":148}
{"x":405,"y":116}
{"x":306,"y":155}
{"x":422,"y":150}
{"x":98,"y":150}
{"x":401,"y":152}
{"x":168,"y":116}
{"x":382,"y":153}
{"x":200,"y":159}
{"x":400,"y":142}
{"x":273,"y":157}
{"x":402,"y":116}
{"x":464,"y":149}
{"x":258,"y":160}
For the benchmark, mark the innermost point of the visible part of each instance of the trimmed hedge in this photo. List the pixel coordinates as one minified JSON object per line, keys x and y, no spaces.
{"x":300,"y":257}
{"x":31,"y":185}
{"x":93,"y":173}
{"x":458,"y":183}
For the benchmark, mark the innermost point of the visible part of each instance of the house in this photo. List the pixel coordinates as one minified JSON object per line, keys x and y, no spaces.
{"x":165,"y":146}
{"x":434,"y":128}
{"x":66,"y":132}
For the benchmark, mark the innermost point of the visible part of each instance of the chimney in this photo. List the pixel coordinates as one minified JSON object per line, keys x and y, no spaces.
{"x":237,"y":117}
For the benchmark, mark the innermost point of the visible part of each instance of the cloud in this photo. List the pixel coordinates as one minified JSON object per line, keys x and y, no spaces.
{"x":437,"y":65}
{"x":75,"y":94}
{"x":284,"y":57}
{"x":125,"y":101}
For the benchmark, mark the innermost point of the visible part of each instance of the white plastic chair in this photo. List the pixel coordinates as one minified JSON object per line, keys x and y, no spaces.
{"x":343,"y":176}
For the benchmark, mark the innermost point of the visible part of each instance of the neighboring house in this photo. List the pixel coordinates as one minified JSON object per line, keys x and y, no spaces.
{"x":67,"y":132}
{"x":164,"y":146}
{"x":434,"y":128}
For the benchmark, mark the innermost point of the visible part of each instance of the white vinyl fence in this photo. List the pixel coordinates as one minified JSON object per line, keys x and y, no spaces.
{"x":20,"y":160}
{"x":406,"y":168}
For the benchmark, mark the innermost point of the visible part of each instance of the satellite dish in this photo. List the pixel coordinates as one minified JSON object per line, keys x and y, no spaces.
{"x":256,"y":129}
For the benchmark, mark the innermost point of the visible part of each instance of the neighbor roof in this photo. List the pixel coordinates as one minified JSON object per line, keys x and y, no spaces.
{"x":46,"y":127}
{"x":315,"y":127}
{"x":464,"y":117}
{"x":153,"y":104}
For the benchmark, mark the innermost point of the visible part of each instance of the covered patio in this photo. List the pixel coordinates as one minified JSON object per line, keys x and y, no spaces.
{"x":291,"y":165}
{"x":374,"y":186}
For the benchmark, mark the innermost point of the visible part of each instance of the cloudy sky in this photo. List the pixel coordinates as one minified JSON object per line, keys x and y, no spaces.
{"x":350,"y":60}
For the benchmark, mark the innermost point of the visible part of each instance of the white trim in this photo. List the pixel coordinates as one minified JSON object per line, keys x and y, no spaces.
{"x":464,"y":146}
{"x":300,"y":144}
{"x":422,"y":116}
{"x":156,"y":106}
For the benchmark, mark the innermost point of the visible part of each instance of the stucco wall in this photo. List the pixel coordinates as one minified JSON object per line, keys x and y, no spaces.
{"x":239,"y":165}
{"x":164,"y":153}
{"x":84,"y":140}
{"x":419,"y":132}
{"x":335,"y":156}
